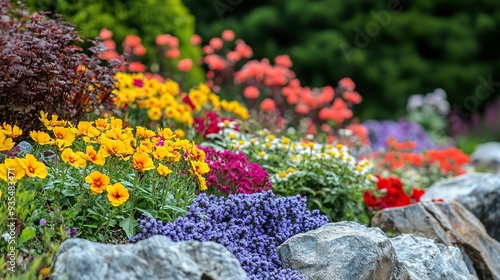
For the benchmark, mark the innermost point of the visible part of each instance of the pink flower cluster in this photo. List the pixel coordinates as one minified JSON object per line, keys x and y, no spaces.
{"x":210,"y":123}
{"x":233,"y":173}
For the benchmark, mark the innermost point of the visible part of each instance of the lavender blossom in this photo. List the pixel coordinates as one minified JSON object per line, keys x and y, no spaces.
{"x":404,"y":130}
{"x":249,"y":226}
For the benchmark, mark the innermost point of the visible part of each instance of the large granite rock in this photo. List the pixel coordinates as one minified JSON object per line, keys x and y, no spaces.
{"x":347,"y":250}
{"x":344,"y":250}
{"x":153,"y":258}
{"x":449,"y":224}
{"x":426,"y":259}
{"x":486,"y":157}
{"x":478,"y":192}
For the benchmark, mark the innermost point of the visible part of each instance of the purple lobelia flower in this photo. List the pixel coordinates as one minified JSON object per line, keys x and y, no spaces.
{"x":249,"y":226}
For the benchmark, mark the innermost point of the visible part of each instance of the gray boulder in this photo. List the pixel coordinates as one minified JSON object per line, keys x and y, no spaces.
{"x":478,"y":192}
{"x":486,"y":157}
{"x":344,"y":250}
{"x":449,"y":224}
{"x":153,"y":258}
{"x":427,"y":260}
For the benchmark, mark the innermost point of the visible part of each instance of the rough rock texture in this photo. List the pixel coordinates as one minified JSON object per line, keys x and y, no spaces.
{"x":344,"y":250}
{"x":426,"y":259}
{"x":478,"y":192}
{"x":487,"y":157}
{"x":154,"y":258}
{"x":450,"y":224}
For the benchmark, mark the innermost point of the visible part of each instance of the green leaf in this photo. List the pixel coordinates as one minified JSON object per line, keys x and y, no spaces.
{"x":128,"y":225}
{"x":27,"y":234}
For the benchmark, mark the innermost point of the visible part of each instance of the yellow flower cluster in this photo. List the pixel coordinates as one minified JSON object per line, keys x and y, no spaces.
{"x":107,"y":137}
{"x":166,"y":99}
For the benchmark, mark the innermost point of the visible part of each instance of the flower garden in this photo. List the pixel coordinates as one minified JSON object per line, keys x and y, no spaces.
{"x":99,"y":145}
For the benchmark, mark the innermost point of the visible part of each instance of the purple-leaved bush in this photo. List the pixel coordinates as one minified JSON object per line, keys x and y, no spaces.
{"x":233,"y":173}
{"x":250,"y":226}
{"x":403,"y":130}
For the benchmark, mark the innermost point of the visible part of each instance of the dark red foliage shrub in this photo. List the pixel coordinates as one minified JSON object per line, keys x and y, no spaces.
{"x":41,"y":68}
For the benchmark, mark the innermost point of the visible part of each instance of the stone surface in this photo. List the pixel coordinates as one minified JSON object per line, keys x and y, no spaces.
{"x":449,"y":224}
{"x":425,"y":259}
{"x":344,"y":250}
{"x":486,"y":157}
{"x":153,"y":258}
{"x":478,"y":192}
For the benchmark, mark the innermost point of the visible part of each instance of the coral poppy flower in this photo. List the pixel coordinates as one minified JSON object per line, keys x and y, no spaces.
{"x":98,"y":182}
{"x":105,"y":34}
{"x":11,"y":169}
{"x":347,"y":83}
{"x":251,"y":92}
{"x":268,"y":105}
{"x":163,"y":170}
{"x":173,"y":53}
{"x":117,"y":194}
{"x":142,"y":162}
{"x":302,"y":108}
{"x":185,"y":65}
{"x":195,"y":39}
{"x":131,"y":41}
{"x":136,"y":66}
{"x":33,"y":167}
{"x":139,"y":50}
{"x":216,"y":43}
{"x":228,"y":35}
{"x":74,"y":159}
{"x":163,"y":39}
{"x":283,"y":60}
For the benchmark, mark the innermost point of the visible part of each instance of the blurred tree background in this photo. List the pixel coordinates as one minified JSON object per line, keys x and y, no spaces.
{"x":391,"y":48}
{"x":147,"y":19}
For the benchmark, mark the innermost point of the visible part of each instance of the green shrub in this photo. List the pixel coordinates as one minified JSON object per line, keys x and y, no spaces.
{"x":147,"y":19}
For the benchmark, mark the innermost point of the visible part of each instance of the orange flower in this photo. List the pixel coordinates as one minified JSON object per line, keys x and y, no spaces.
{"x":200,"y":167}
{"x":163,"y":170}
{"x":5,"y":143}
{"x":117,"y":194}
{"x":33,"y":167}
{"x":11,"y":131}
{"x":11,"y":168}
{"x":64,"y":136}
{"x":98,"y":182}
{"x":74,"y":159}
{"x":41,"y":137}
{"x":93,"y":156}
{"x":142,"y":162}
{"x":144,"y":133}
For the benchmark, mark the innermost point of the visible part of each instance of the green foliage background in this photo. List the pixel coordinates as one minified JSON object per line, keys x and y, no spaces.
{"x":429,"y":44}
{"x":146,"y":19}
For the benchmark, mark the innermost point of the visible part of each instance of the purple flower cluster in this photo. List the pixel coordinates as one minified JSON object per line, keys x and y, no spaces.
{"x":232,"y":173}
{"x":403,"y":130}
{"x":249,"y":226}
